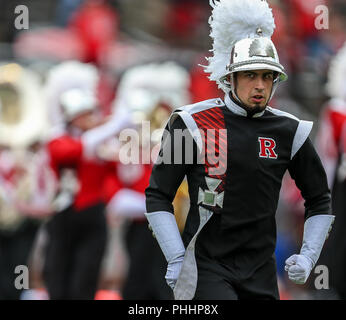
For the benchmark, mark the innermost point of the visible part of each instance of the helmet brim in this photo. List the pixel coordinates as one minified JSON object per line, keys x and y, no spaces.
{"x":262,"y":66}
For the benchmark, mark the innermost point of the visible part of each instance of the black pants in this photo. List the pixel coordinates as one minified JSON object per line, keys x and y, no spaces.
{"x":15,"y":248}
{"x":333,"y":254}
{"x":147,"y":265}
{"x":216,"y":282}
{"x":76,"y":244}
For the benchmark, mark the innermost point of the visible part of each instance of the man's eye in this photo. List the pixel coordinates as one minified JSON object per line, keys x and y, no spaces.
{"x":250,"y":75}
{"x":269,"y":76}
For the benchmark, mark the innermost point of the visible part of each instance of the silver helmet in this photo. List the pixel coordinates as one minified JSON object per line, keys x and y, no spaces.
{"x":255,"y":54}
{"x":241,"y":31}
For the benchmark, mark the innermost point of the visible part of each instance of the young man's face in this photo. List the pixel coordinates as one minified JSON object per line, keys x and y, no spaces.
{"x":254,"y":88}
{"x":86,"y":121}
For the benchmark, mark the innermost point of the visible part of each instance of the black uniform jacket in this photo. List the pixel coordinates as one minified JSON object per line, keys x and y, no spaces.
{"x":239,"y":181}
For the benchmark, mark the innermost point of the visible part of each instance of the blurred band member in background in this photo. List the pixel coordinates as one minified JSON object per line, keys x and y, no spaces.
{"x":77,"y":232}
{"x":331,"y":143}
{"x":149,"y":92}
{"x":26,"y":183}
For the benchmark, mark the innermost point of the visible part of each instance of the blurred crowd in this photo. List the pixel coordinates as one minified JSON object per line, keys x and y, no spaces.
{"x":84,"y":71}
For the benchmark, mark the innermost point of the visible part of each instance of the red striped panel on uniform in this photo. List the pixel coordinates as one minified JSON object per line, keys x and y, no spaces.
{"x":210,"y":122}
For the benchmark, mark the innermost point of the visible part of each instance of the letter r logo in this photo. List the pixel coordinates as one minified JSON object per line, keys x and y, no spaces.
{"x":267,"y":146}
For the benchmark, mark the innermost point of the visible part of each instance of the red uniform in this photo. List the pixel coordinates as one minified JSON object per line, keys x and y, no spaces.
{"x":78,"y":233}
{"x":67,"y":152}
{"x":328,"y":139}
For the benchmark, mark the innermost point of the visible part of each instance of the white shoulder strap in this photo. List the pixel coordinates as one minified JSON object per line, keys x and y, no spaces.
{"x":302,"y":133}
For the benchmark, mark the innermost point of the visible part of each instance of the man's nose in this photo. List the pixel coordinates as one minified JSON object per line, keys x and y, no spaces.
{"x":259,"y":85}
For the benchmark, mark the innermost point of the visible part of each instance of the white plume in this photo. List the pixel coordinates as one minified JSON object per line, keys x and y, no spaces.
{"x":231,"y":21}
{"x":336,"y":85}
{"x":65,"y":76}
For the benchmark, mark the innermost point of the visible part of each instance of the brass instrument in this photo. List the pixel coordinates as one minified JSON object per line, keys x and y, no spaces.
{"x":23,"y":123}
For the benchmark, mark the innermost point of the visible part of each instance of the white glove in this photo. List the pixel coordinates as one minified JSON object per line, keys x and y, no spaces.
{"x":92,"y":138}
{"x":173,"y":271}
{"x":167,"y":234}
{"x":316,"y":230}
{"x":299,"y":268}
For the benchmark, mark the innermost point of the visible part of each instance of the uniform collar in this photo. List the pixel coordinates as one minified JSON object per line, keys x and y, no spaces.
{"x":235,"y":108}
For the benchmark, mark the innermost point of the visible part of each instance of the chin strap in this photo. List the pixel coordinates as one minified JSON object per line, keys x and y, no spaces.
{"x":231,"y":86}
{"x":234,"y":94}
{"x":274,"y":87}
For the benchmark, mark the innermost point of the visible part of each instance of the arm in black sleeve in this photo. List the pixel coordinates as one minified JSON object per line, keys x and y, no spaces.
{"x":167,"y":176}
{"x":310,"y":177}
